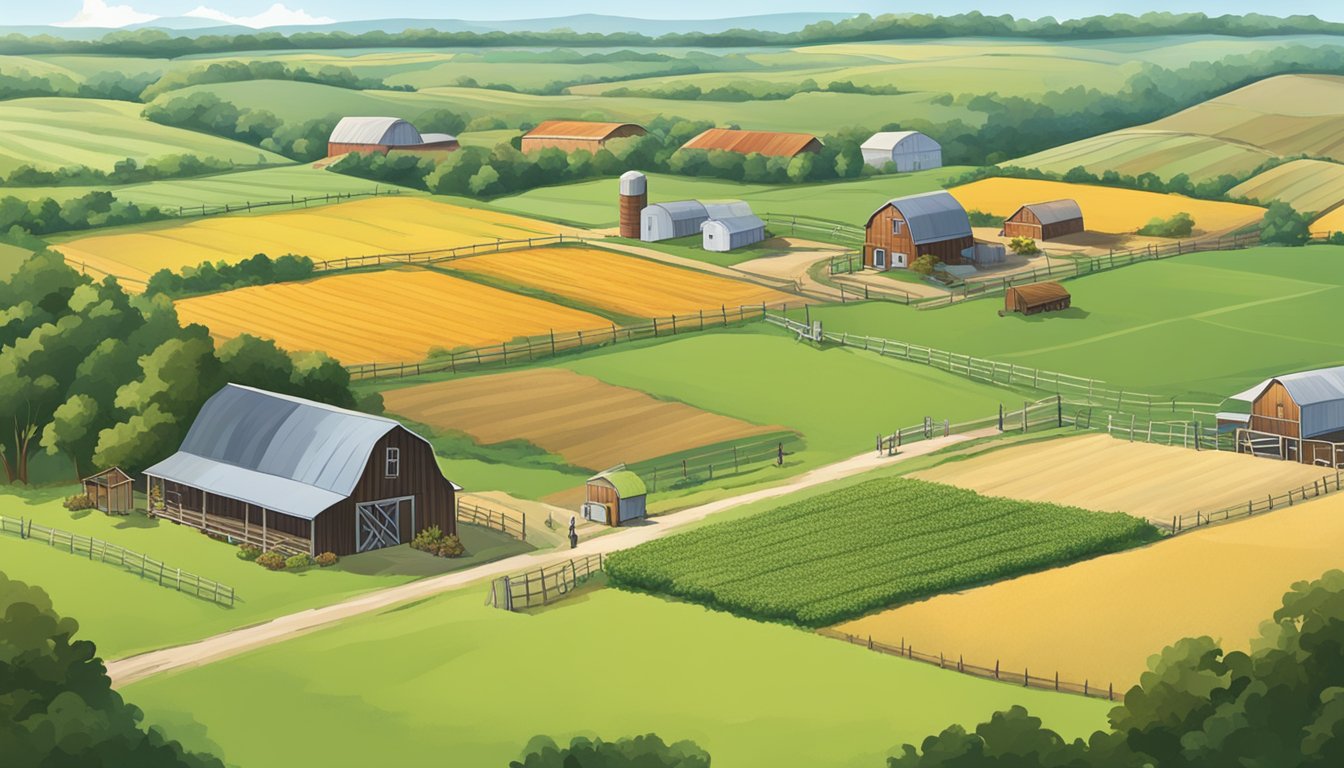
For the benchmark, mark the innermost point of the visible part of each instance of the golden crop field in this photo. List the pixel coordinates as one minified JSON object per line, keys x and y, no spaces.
{"x":584,"y":420}
{"x":1109,"y":475}
{"x":361,"y":227}
{"x":395,"y":315}
{"x":1105,"y":209}
{"x":1330,"y":222}
{"x":1101,"y":619}
{"x":627,"y":284}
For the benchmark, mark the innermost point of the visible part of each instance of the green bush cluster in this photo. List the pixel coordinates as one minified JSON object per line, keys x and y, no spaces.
{"x":1179,"y":224}
{"x":223,"y":275}
{"x":46,"y":215}
{"x":249,"y":552}
{"x":127,"y":171}
{"x":271,"y":561}
{"x":871,"y":545}
{"x":301,"y":560}
{"x":77,"y":502}
{"x":647,"y":751}
{"x":1023,"y":246}
{"x":437,"y":543}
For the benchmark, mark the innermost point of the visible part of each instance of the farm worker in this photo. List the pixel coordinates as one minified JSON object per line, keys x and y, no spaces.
{"x":573,"y":534}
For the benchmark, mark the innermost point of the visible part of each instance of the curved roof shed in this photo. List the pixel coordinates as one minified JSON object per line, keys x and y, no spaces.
{"x":664,"y":221}
{"x":909,"y":150}
{"x":384,"y":131}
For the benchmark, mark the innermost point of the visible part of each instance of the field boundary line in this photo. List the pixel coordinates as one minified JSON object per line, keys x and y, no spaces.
{"x":198,"y":211}
{"x":1190,"y":522}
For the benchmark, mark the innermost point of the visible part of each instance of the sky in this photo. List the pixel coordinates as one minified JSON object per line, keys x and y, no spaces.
{"x":261,"y":13}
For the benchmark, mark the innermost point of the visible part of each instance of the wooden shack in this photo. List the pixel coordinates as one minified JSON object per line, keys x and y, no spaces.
{"x":1036,"y":297}
{"x":614,"y":497}
{"x":1045,"y":221}
{"x":111,"y":491}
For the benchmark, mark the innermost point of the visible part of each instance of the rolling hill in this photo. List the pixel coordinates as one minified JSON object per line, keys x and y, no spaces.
{"x":1310,"y":186}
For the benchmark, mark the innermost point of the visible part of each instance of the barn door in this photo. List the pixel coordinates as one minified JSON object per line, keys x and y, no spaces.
{"x":377,"y":525}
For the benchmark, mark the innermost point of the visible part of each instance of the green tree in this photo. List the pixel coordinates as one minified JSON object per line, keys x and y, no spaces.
{"x":637,"y":752}
{"x":1282,"y":225}
{"x":73,"y":429}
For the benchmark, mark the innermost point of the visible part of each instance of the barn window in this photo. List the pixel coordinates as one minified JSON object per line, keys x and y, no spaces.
{"x":896,"y":226}
{"x":393,"y":462}
{"x":1280,"y":410}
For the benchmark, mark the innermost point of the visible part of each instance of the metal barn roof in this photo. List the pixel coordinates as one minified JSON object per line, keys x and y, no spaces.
{"x":932,"y":216}
{"x":1054,"y":211}
{"x":769,"y":143}
{"x":437,"y":138}
{"x":727,"y":209}
{"x":888,"y":140}
{"x":389,"y":131}
{"x":679,"y":210}
{"x":735,"y":224}
{"x":576,"y":129}
{"x":1307,"y":387}
{"x":276,"y":451}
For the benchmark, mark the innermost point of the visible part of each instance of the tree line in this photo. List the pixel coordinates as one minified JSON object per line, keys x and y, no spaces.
{"x":20,"y":218}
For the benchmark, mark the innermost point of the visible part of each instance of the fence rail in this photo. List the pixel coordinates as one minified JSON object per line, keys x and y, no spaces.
{"x":437,"y":255}
{"x":1330,"y":483}
{"x":185,"y":211}
{"x":778,"y":221}
{"x":1048,"y":412}
{"x":512,"y":523}
{"x":112,"y":554}
{"x":543,"y":585}
{"x":1023,"y":678}
{"x":718,"y":461}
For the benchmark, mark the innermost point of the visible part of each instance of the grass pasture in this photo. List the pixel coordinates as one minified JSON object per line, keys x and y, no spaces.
{"x":1105,"y":209}
{"x":50,"y":133}
{"x":1310,"y":186}
{"x":357,"y":228}
{"x":866,"y":546}
{"x":627,"y":285}
{"x":390,"y":315}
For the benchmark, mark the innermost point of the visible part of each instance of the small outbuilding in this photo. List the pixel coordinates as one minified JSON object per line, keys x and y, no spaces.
{"x":111,"y":491}
{"x":665,"y":221}
{"x":1297,"y":417}
{"x":1036,"y":297}
{"x":1045,"y":221}
{"x":768,"y":143}
{"x":574,"y":135}
{"x":614,"y":497}
{"x":905,"y":228}
{"x":732,"y":232}
{"x":384,"y":134}
{"x":907,"y":150}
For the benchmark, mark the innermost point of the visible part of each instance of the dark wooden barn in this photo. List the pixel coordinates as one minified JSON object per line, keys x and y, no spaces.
{"x":111,"y":491}
{"x":1036,"y":297}
{"x":1045,"y":221}
{"x":1297,"y":417}
{"x":906,"y":228}
{"x":288,"y":474}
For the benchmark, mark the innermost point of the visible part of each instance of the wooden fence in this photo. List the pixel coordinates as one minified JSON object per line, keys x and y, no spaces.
{"x":789,"y":224}
{"x":512,"y":523}
{"x":1048,"y":413}
{"x":867,"y":292}
{"x":185,"y":211}
{"x":120,"y":557}
{"x":1024,"y":678}
{"x":544,"y":585}
{"x":1330,"y":483}
{"x":438,"y":255}
{"x":716,"y":461}
{"x":542,"y":347}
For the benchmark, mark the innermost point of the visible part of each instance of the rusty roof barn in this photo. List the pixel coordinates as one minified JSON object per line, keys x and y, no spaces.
{"x":769,"y":143}
{"x":573,"y":135}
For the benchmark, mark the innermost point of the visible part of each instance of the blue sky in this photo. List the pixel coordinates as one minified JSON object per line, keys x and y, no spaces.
{"x":53,"y":11}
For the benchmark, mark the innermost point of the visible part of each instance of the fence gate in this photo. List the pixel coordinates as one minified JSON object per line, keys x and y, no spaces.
{"x":377,"y":525}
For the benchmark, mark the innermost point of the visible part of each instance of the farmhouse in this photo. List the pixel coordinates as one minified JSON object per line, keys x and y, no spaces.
{"x":907,"y":150}
{"x":1037,"y":297}
{"x":111,"y":491}
{"x":1045,"y":221}
{"x":288,"y":474}
{"x":384,"y":134}
{"x":614,"y":497}
{"x":1297,"y":417}
{"x":573,"y":135}
{"x":768,"y":143}
{"x":906,"y":228}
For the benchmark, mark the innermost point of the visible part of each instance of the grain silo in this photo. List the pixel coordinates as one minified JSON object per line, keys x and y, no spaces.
{"x":634,"y":196}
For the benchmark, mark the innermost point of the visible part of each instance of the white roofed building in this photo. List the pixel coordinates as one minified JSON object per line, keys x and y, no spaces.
{"x":384,"y":134}
{"x":906,"y":150}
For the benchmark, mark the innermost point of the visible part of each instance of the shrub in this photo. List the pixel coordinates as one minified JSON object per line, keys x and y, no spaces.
{"x":1283,"y":225}
{"x":924,"y":265}
{"x":1335,"y":238}
{"x":248,"y":552}
{"x":77,"y":502}
{"x":435,"y":542}
{"x":982,"y":219}
{"x":271,"y":561}
{"x":1023,"y":246}
{"x":302,"y":560}
{"x":1179,"y":225}
{"x":327,"y":558}
{"x":647,"y":751}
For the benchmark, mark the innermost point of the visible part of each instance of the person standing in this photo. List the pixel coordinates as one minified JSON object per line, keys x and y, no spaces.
{"x":573,"y":534}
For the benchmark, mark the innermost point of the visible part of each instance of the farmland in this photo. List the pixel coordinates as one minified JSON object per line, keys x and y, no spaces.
{"x":585,"y":421}
{"x":628,"y":285}
{"x":871,"y":545}
{"x":1102,"y":473}
{"x":358,"y":228}
{"x":713,"y":668}
{"x":1105,"y":209}
{"x":1310,"y":186}
{"x":1101,"y":619}
{"x":1331,"y":222}
{"x":394,"y":315}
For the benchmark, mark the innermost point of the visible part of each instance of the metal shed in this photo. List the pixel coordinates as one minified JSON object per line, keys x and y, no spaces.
{"x":383,"y":134}
{"x":909,"y":150}
{"x":111,"y":491}
{"x":614,"y":497}
{"x":731,"y":233}
{"x":664,"y":221}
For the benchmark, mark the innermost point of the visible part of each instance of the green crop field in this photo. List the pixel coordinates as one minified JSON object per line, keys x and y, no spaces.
{"x":1310,"y":186}
{"x":450,"y":675}
{"x":873,"y":545}
{"x":50,"y":133}
{"x":1207,"y":324}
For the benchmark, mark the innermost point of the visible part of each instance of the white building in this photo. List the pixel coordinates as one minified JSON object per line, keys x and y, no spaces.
{"x":909,"y":150}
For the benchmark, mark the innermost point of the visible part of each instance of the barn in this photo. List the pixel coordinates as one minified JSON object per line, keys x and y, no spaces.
{"x":288,"y":474}
{"x":729,"y":233}
{"x":768,"y":143}
{"x":111,"y":491}
{"x":908,"y":150}
{"x":573,"y":135}
{"x":614,"y":497}
{"x":1296,"y":417}
{"x":384,"y":134}
{"x":906,"y":228}
{"x":1036,"y":297}
{"x":1045,"y":221}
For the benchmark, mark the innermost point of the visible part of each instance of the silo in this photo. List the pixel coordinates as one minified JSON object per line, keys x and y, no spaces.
{"x":634,"y":196}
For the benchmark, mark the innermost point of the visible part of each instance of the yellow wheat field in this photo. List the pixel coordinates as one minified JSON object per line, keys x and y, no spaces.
{"x":1330,"y":222}
{"x":1105,"y":209}
{"x":618,"y":283}
{"x":362,"y":227}
{"x":394,"y":315}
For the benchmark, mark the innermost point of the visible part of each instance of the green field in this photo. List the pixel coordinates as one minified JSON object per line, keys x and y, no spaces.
{"x":50,"y":133}
{"x":451,"y":675}
{"x":1310,"y":186}
{"x":1207,"y":324}
{"x":873,"y":545}
{"x":125,"y":614}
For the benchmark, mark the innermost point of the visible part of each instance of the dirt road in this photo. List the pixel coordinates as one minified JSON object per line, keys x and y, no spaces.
{"x":129,"y":670}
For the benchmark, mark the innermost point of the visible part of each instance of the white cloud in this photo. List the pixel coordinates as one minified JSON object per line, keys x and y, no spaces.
{"x":97,"y":13}
{"x":276,"y":16}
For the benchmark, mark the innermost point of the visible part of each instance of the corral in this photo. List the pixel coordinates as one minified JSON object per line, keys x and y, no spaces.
{"x":626,"y":284}
{"x":587,"y":422}
{"x":339,"y":315}
{"x":1111,"y":475}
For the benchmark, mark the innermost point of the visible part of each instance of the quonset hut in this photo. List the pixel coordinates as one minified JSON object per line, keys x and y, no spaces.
{"x":664,"y":221}
{"x":384,"y":134}
{"x":730,"y":226}
{"x":908,"y":150}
